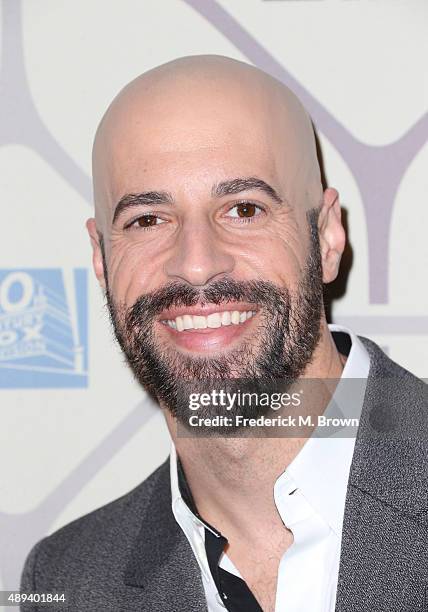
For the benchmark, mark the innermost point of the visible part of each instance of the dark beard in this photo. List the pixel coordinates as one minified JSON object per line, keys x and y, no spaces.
{"x":288,"y":333}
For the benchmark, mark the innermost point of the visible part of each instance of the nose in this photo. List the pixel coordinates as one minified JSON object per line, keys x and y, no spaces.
{"x":198,"y":256}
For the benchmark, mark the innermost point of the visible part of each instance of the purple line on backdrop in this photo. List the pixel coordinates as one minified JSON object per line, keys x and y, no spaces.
{"x":384,"y":325}
{"x":19,"y":531}
{"x":21,"y":122}
{"x":378,"y":170}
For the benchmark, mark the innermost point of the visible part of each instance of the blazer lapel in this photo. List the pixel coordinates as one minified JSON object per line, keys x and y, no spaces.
{"x":161,"y":561}
{"x":383,"y":565}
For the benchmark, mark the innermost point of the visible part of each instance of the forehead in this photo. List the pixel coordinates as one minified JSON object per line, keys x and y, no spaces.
{"x":187,"y":139}
{"x":190,"y":171}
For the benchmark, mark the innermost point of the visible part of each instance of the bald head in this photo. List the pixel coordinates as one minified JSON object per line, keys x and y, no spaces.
{"x":204,"y":171}
{"x":220,"y":116}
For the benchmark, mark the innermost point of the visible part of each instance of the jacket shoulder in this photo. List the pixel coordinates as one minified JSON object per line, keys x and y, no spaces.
{"x":396,"y":402}
{"x":94,"y":539}
{"x":391,"y":450}
{"x":381,"y":365}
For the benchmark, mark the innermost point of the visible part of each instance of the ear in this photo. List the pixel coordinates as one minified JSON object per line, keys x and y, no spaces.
{"x":332,"y":235}
{"x":97,"y":257}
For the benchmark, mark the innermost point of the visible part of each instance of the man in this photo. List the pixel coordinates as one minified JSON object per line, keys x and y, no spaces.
{"x":212,"y":239}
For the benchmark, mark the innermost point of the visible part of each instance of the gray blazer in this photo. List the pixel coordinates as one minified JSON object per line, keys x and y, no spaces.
{"x":131,"y":555}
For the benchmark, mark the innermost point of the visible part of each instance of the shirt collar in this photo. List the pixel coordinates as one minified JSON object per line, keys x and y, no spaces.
{"x":175,"y":489}
{"x":321,"y":469}
{"x":182,"y":500}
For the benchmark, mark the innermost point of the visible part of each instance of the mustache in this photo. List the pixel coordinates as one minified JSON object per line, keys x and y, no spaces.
{"x":146,"y":307}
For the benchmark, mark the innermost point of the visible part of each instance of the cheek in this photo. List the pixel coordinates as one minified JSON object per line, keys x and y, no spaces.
{"x":271,"y":256}
{"x":134,"y":272}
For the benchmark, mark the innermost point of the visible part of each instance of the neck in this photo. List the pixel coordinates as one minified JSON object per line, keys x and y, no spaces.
{"x":232,"y":479}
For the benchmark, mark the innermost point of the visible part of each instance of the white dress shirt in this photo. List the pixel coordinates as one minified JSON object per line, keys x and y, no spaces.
{"x":310,"y":498}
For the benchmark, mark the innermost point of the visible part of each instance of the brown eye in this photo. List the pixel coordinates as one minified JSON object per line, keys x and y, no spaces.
{"x":246,"y":209}
{"x":147,"y":221}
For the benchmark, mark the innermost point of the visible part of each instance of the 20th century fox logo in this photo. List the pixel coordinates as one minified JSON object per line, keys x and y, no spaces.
{"x":43,"y":328}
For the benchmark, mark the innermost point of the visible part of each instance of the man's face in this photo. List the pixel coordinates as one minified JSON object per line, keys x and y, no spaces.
{"x":211,"y":268}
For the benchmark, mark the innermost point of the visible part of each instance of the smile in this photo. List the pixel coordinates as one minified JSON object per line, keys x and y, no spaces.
{"x":212,"y":321}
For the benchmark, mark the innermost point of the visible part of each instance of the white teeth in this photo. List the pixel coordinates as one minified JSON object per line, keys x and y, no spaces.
{"x":187,"y":322}
{"x":213,"y":321}
{"x":235,"y":317}
{"x":200,"y":322}
{"x":226,"y":318}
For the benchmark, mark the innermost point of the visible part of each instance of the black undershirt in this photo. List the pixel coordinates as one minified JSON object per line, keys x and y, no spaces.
{"x":234,"y":592}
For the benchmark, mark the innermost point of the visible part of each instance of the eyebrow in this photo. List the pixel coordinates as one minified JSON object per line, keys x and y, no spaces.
{"x":238,"y":185}
{"x":229,"y":187}
{"x":131,"y":200}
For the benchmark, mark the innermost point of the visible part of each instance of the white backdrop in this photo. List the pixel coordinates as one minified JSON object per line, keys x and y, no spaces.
{"x":75,"y":431}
